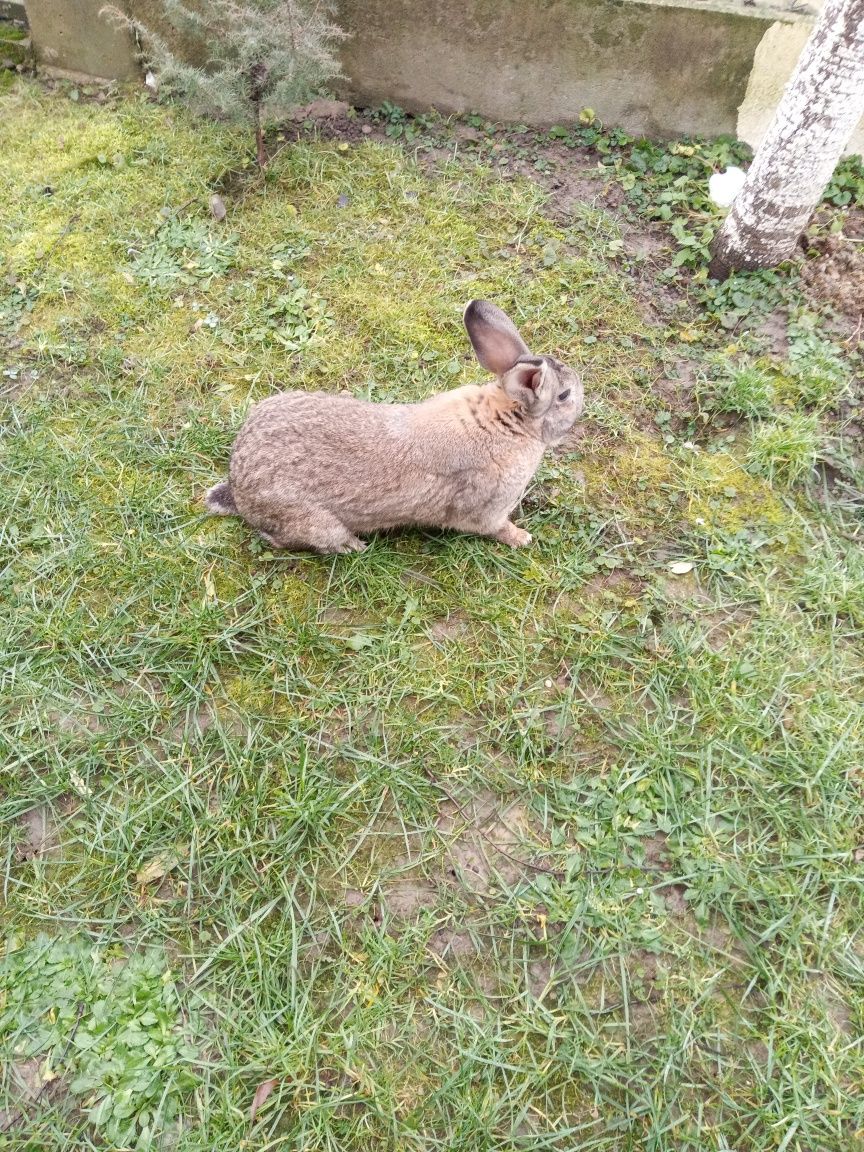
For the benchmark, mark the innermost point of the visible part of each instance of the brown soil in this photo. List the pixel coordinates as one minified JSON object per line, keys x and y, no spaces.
{"x":834,"y":275}
{"x":484,"y":843}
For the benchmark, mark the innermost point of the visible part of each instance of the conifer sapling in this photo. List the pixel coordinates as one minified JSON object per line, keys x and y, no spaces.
{"x":262,"y":56}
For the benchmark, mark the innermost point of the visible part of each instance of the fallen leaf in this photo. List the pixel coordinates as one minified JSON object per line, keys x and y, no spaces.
{"x":217,"y":207}
{"x":261,"y":1093}
{"x":681,"y":567}
{"x":79,"y":784}
{"x":359,"y":641}
{"x":47,"y":1073}
{"x":158,"y":867}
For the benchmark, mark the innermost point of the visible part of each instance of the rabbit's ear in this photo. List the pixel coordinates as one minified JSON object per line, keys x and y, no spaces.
{"x":528,"y":383}
{"x":494,"y":337}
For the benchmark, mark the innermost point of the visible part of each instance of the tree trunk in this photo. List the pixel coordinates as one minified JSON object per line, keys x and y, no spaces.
{"x":816,"y":116}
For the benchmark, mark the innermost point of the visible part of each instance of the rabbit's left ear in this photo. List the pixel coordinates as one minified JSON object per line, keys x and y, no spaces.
{"x":529,"y":383}
{"x":494,"y":337}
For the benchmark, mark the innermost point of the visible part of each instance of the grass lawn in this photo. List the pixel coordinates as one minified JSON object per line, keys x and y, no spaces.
{"x":442,"y":846}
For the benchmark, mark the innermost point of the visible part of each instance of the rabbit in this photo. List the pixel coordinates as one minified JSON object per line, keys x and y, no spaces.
{"x":315,"y":471}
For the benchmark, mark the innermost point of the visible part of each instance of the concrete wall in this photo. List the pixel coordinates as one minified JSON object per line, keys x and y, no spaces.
{"x":71,"y":35}
{"x":657,"y":70}
{"x":660,"y":67}
{"x":773,"y":64}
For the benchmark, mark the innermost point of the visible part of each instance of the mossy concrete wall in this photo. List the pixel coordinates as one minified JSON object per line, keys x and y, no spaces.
{"x":649,"y":68}
{"x":71,"y":35}
{"x":773,"y":64}
{"x":660,"y":67}
{"x":659,"y":70}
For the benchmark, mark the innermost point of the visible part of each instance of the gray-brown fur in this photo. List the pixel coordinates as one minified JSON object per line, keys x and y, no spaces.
{"x":311,"y":470}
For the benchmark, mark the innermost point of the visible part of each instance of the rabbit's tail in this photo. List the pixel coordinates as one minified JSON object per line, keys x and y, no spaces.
{"x":220,"y":501}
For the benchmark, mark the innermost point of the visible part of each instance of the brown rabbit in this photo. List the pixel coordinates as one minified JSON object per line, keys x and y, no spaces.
{"x":310,"y":470}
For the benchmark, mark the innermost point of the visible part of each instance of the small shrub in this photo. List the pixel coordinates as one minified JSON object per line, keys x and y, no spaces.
{"x":262,"y":55}
{"x":785,"y":449}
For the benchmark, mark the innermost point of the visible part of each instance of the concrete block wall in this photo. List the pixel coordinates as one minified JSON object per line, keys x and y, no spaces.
{"x":659,"y":67}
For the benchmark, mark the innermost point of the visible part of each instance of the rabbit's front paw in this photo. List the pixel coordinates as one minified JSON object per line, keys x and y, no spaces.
{"x":352,"y":544}
{"x":515,"y":537}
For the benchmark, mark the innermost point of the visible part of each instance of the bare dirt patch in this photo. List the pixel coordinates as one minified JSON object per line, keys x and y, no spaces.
{"x":486,"y":844}
{"x":654,"y":847}
{"x":834,"y":274}
{"x":39,"y":834}
{"x":676,"y":389}
{"x":449,"y":629}
{"x":452,"y":944}
{"x":406,"y":898}
{"x":25,"y":1088}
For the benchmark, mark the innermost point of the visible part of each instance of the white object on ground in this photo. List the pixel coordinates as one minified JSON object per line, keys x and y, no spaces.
{"x":723,"y":187}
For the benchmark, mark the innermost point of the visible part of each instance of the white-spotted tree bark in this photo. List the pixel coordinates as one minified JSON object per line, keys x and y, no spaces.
{"x":813,"y":123}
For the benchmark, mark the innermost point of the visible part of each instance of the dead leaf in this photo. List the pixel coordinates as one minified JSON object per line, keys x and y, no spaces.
{"x":47,"y":1073}
{"x":261,"y":1093}
{"x":217,"y":207}
{"x":158,"y":867}
{"x":79,"y":784}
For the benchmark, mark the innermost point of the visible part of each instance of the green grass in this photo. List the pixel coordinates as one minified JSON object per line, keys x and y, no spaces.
{"x":461,"y":847}
{"x":786,"y":449}
{"x":744,"y":388}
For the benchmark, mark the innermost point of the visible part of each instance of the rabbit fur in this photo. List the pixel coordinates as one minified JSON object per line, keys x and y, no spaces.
{"x":312,"y":471}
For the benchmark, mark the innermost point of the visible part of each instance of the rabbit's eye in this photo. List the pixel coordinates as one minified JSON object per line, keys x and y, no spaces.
{"x":563,"y":395}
